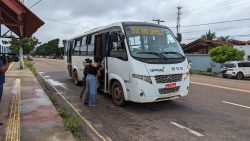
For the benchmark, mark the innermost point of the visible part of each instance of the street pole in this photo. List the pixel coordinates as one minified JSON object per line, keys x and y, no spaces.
{"x":178,"y":26}
{"x":21,"y":53}
{"x":158,"y":21}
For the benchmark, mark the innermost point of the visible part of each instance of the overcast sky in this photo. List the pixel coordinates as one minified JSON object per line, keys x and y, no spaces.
{"x":68,"y":18}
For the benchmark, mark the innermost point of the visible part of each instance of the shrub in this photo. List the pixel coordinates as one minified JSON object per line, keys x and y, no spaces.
{"x":223,"y":54}
{"x":72,"y":124}
{"x":63,"y":112}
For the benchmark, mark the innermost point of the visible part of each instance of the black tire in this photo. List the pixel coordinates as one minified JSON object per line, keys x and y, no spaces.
{"x":224,"y":76}
{"x":75,"y":77}
{"x":117,"y":94}
{"x":239,"y":76}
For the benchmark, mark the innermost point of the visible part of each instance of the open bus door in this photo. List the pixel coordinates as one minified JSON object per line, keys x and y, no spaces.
{"x":101,"y":49}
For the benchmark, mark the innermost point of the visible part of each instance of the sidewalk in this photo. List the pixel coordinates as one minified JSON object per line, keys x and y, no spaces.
{"x":39,"y":119}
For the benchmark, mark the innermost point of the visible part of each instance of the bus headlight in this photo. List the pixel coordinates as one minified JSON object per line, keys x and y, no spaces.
{"x":143,"y":77}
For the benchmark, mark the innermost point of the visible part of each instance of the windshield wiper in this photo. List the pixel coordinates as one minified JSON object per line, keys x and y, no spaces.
{"x":154,"y":53}
{"x":177,"y":53}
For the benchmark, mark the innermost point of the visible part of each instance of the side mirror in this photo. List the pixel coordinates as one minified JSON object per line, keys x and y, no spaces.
{"x":179,"y":37}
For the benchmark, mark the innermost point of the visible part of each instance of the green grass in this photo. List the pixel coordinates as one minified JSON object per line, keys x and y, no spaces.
{"x":63,"y":112}
{"x":30,"y":65}
{"x":53,"y":100}
{"x":72,"y":124}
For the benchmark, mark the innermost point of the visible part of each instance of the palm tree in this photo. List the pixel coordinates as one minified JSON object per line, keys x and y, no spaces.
{"x":209,"y":35}
{"x":224,"y":38}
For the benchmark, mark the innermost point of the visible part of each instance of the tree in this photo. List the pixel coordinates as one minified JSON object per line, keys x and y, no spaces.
{"x":209,"y":35}
{"x":224,"y":38}
{"x":51,"y":48}
{"x":29,"y":44}
{"x":40,"y":50}
{"x":222,"y":54}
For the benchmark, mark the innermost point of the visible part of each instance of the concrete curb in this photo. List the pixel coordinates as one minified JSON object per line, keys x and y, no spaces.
{"x":88,"y":123}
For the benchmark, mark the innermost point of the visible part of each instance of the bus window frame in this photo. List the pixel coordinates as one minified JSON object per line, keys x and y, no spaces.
{"x":77,"y":53}
{"x":83,"y":46}
{"x":89,"y":41}
{"x":119,"y":30}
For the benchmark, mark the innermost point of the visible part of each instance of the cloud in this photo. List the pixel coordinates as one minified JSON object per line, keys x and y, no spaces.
{"x":67,"y":18}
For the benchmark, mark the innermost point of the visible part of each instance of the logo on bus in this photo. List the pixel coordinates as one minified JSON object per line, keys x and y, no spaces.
{"x":158,"y":70}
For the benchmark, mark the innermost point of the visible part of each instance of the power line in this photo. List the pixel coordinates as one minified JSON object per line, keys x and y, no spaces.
{"x":215,"y":8}
{"x":220,"y":22}
{"x":215,"y":29}
{"x":35,"y":3}
{"x":213,"y":23}
{"x":213,"y":4}
{"x":242,"y":35}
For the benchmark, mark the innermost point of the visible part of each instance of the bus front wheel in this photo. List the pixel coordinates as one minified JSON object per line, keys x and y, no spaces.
{"x":117,"y":94}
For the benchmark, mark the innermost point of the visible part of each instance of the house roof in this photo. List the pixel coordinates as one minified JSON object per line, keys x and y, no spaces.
{"x":18,"y":18}
{"x":201,"y":42}
{"x":237,"y":42}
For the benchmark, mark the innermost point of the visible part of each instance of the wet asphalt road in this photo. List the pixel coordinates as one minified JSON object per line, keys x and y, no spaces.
{"x":206,"y":114}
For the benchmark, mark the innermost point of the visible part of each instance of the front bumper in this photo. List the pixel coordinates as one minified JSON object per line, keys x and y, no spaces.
{"x":144,"y":92}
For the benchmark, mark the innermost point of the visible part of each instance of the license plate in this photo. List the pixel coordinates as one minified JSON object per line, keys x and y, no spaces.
{"x":170,"y":86}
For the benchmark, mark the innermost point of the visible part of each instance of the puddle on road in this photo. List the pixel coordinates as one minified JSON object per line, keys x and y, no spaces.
{"x":31,"y":105}
{"x":56,"y":83}
{"x":40,"y":93}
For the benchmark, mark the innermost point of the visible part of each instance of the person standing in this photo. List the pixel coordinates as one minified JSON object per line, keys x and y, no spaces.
{"x":90,"y":90}
{"x":4,"y":65}
{"x":85,"y":71}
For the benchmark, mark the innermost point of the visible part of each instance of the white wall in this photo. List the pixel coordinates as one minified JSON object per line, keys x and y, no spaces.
{"x":245,"y":48}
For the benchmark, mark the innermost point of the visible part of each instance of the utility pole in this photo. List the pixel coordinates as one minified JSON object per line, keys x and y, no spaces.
{"x":21,"y":44}
{"x":178,"y":25}
{"x":158,"y":21}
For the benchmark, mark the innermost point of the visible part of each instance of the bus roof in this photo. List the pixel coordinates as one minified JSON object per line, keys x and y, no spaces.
{"x":116,"y":24}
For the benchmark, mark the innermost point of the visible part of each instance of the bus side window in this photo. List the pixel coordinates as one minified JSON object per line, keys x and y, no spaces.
{"x":77,"y":47}
{"x":91,"y":41}
{"x":118,"y":49}
{"x":83,"y":48}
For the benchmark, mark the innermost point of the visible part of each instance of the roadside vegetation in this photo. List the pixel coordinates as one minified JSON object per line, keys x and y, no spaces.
{"x":222,"y":54}
{"x":51,"y":48}
{"x":71,"y":123}
{"x":30,"y":65}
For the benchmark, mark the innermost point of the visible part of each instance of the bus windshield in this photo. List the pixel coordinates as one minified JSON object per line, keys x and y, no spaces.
{"x":150,"y":42}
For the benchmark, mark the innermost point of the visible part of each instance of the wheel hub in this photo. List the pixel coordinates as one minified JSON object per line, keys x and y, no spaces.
{"x":117,"y":93}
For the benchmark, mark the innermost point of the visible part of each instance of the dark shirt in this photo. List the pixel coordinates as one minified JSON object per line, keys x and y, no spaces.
{"x":92,"y":70}
{"x":2,"y":76}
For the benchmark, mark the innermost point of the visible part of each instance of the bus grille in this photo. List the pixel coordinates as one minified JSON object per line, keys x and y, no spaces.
{"x":168,"y":78}
{"x":166,"y":91}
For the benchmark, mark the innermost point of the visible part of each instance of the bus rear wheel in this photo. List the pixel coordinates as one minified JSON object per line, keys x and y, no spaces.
{"x":117,"y":94}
